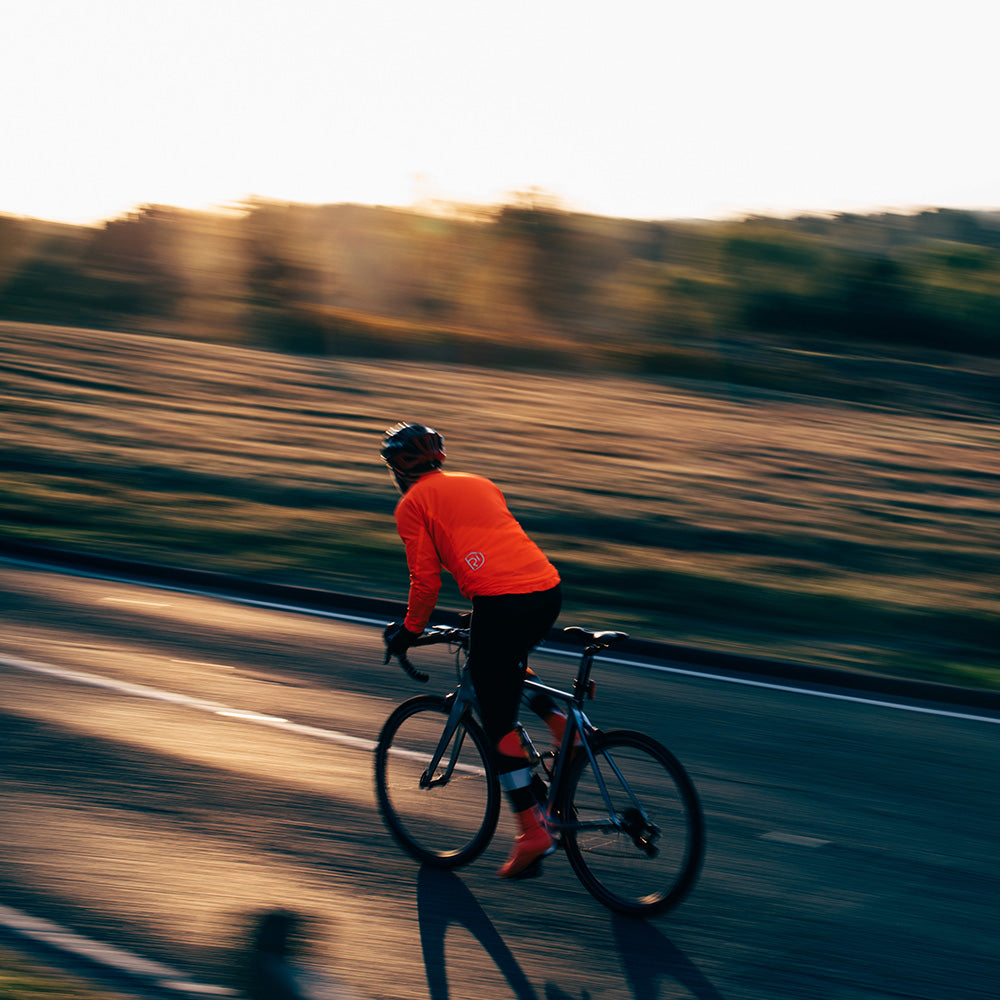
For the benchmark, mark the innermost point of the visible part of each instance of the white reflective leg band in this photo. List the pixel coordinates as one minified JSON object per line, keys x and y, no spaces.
{"x":515,"y":779}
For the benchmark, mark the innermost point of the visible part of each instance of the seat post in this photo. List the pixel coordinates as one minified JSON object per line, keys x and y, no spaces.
{"x":581,"y":685}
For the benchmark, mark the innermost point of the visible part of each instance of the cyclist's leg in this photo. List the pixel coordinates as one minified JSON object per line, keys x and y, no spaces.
{"x":503,"y":629}
{"x":547,"y":709}
{"x":541,"y":704}
{"x":496,"y":665}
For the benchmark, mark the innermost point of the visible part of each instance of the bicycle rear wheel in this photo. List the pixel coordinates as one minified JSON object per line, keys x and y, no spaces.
{"x":446,"y":819}
{"x":645,"y":856}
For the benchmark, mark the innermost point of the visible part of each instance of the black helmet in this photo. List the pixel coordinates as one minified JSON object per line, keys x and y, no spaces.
{"x":411,"y":451}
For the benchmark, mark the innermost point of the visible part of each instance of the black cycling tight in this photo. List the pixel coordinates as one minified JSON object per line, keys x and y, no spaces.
{"x":503,"y":630}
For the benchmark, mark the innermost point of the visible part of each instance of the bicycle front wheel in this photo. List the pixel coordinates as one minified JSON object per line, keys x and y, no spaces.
{"x":642,"y":856}
{"x":447,"y":818}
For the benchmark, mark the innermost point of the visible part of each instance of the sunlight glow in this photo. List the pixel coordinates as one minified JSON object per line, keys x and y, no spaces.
{"x":644,"y":108}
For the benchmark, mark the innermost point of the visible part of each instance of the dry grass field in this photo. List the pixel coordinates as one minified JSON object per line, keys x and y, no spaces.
{"x":23,"y":978}
{"x":862,"y":536}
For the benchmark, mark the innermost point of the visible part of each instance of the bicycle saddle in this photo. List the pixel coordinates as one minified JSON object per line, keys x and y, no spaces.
{"x":600,"y":639}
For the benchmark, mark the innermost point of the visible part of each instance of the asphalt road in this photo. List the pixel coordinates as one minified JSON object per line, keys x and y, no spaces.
{"x":182,"y":763}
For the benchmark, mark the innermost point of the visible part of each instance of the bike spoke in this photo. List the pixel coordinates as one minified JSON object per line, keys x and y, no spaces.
{"x":445,"y":819}
{"x":644,"y":855}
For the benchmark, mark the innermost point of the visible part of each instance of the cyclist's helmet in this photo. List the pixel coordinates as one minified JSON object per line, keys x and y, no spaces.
{"x":411,"y":451}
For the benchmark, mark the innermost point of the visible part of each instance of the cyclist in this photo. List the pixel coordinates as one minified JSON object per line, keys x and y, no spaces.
{"x":461,"y":523}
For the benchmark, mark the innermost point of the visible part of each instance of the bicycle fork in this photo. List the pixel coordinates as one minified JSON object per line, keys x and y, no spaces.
{"x":453,"y":736}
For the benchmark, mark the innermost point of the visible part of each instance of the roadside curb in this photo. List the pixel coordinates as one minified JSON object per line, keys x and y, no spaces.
{"x":333,"y":603}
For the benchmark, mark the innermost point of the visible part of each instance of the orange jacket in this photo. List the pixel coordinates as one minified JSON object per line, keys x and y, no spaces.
{"x":461,"y":523}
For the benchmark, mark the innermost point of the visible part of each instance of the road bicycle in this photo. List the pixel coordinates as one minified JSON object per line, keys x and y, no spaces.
{"x":619,"y":803}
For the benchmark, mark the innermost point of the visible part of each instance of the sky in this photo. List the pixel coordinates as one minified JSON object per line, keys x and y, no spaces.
{"x":646,"y":109}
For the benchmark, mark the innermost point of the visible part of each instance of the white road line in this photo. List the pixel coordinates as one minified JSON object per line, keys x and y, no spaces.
{"x":107,"y":955}
{"x":794,"y":838}
{"x":144,"y":604}
{"x":658,"y":668}
{"x":793,"y":689}
{"x":898,"y":706}
{"x":202,"y":663}
{"x":186,"y":701}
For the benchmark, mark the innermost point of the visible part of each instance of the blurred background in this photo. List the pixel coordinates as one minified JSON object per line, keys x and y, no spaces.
{"x":774,"y":436}
{"x":713,"y":295}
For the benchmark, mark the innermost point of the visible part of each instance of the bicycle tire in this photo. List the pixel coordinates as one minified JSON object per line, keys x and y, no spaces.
{"x":646,"y":869}
{"x":447,"y":825}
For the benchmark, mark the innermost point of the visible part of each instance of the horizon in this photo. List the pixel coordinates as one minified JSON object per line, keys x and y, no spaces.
{"x":482,"y":212}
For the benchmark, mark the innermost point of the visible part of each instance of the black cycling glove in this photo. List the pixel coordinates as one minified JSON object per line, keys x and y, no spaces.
{"x":398,"y":639}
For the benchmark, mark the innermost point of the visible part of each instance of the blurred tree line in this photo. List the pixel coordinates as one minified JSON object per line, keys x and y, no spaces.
{"x":526,"y":283}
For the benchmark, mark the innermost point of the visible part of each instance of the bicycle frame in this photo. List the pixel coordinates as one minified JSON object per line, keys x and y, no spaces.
{"x":578,"y":724}
{"x":463,"y":700}
{"x":618,"y":802}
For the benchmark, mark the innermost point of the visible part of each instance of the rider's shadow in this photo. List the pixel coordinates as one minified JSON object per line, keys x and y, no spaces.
{"x":649,"y":957}
{"x":442,"y":900}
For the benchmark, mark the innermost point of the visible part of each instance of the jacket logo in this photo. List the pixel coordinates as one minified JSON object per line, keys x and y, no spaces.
{"x":475,"y":559}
